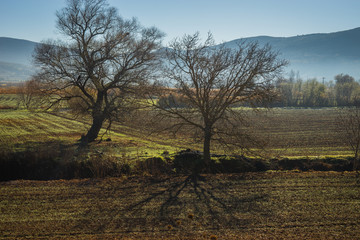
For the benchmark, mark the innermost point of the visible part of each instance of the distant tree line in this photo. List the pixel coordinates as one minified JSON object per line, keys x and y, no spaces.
{"x":295,"y":92}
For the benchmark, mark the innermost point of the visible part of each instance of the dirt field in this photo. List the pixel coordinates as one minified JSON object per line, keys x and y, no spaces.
{"x":271,"y":205}
{"x":301,"y":132}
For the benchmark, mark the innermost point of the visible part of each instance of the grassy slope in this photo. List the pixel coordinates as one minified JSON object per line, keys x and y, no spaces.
{"x":8,"y":100}
{"x":251,"y":206}
{"x":287,"y":132}
{"x":21,"y":129}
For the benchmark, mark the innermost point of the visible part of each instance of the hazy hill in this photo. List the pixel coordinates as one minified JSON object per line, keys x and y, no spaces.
{"x":317,"y":55}
{"x":314,"y":55}
{"x":15,"y":59}
{"x":16,"y":50}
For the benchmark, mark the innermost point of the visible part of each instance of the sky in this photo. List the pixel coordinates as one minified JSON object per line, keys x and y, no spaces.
{"x":35,"y":20}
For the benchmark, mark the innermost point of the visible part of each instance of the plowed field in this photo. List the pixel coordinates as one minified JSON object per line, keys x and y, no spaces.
{"x":272,"y":205}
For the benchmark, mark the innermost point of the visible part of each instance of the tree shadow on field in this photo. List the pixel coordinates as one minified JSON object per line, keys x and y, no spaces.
{"x":200,"y":202}
{"x":187,"y":204}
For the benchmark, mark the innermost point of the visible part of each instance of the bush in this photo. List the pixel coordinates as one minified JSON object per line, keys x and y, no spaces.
{"x":188,"y":162}
{"x":236,"y":165}
{"x":340,"y":164}
{"x":153,"y":166}
{"x":320,"y":166}
{"x":241,"y":164}
{"x":292,"y":164}
{"x":95,"y":165}
{"x":58,"y":162}
{"x":36,"y":165}
{"x":261,"y":165}
{"x":191,"y":162}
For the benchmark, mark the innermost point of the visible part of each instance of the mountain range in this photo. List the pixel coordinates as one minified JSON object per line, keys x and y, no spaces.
{"x":320,"y":56}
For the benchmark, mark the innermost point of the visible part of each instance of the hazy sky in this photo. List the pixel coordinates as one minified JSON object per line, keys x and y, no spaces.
{"x":227,"y":19}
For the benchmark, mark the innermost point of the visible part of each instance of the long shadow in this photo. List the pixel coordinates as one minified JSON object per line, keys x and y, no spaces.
{"x":199,"y":203}
{"x":206,"y":199}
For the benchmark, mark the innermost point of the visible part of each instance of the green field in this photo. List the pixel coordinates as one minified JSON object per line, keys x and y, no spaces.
{"x":21,"y":129}
{"x":8,"y":101}
{"x":272,"y":205}
{"x":286,"y":132}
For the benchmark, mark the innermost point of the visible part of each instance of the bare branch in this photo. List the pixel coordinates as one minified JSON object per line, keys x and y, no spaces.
{"x":209,"y":80}
{"x":102,"y":63}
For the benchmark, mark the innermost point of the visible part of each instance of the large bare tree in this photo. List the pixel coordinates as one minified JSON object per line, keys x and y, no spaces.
{"x":101,"y":62}
{"x":205,"y":82}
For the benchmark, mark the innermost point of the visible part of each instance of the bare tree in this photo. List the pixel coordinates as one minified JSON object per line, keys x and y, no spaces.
{"x":349,"y":124}
{"x":209,"y":80}
{"x":30,"y":95}
{"x":101,"y":64}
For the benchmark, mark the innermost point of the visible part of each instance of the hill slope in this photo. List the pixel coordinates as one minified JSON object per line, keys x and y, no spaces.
{"x":317,"y":55}
{"x":16,"y":50}
{"x":15,"y":59}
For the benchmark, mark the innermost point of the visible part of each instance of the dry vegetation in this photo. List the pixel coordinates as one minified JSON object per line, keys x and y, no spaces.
{"x":273,"y":205}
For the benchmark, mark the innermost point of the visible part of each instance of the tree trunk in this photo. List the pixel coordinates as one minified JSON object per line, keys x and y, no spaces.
{"x":94,"y":130}
{"x":98,"y":118}
{"x":207,"y":140}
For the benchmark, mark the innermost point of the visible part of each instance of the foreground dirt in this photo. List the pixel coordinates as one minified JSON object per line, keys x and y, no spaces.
{"x":272,"y":205}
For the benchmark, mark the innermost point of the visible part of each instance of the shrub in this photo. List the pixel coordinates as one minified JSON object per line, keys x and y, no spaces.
{"x":125,"y":168}
{"x":240,"y":164}
{"x":101,"y":166}
{"x":291,"y":164}
{"x":188,"y":162}
{"x":153,"y":166}
{"x":41,"y":163}
{"x":340,"y":164}
{"x":236,"y":165}
{"x":320,"y":166}
{"x":58,"y":162}
{"x":261,"y":165}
